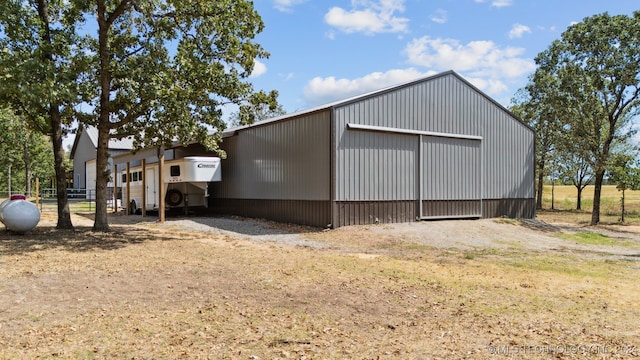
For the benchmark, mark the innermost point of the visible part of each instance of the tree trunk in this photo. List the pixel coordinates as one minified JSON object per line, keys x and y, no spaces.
{"x":55,"y":121}
{"x":595,"y":213}
{"x":64,"y":214}
{"x":102,"y":178}
{"x":539,"y":192}
{"x":579,"y":205}
{"x":622,"y":215}
{"x":9,"y":181}
{"x":27,"y":168}
{"x":102,"y":159}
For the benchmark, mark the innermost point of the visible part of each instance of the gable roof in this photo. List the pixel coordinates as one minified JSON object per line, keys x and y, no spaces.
{"x":92,"y":133}
{"x":235,"y":130}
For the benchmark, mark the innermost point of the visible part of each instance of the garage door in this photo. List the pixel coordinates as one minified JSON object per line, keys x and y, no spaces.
{"x":451,"y":182}
{"x":90,"y":171}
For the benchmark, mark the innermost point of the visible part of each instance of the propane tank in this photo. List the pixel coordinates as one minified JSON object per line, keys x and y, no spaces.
{"x":4,"y":203}
{"x":18,"y":214}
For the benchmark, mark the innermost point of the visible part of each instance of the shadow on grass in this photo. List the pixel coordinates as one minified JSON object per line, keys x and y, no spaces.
{"x":216,"y":222}
{"x":251,"y":227}
{"x":80,"y":239}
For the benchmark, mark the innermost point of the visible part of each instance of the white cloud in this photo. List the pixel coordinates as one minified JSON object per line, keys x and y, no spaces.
{"x":369,"y":17}
{"x":478,"y":60}
{"x":477,"y":56}
{"x":287,"y":76}
{"x":286,"y":5}
{"x":258,"y":69}
{"x":497,"y":3}
{"x":439,"y":17}
{"x":323,"y":90}
{"x":518,"y":30}
{"x":490,"y":86}
{"x":501,"y":3}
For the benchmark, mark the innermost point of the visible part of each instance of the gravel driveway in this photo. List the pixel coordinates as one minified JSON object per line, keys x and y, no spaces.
{"x":534,"y":235}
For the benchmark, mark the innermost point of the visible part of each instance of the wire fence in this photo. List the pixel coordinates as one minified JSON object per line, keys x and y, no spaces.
{"x":80,"y":200}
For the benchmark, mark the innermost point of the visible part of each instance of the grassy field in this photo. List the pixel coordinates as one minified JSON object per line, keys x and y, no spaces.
{"x":565,"y":200}
{"x":148,"y":291}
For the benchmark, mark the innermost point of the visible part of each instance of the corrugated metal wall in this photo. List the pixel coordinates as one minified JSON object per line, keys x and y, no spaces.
{"x":286,"y":160}
{"x":376,"y":166}
{"x":284,"y":169}
{"x":508,"y":157}
{"x":451,"y":168}
{"x":452,"y":177}
{"x":279,"y":171}
{"x":499,"y":166}
{"x":85,"y":151}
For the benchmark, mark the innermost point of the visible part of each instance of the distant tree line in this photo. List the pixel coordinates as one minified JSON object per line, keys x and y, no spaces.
{"x":25,"y":156}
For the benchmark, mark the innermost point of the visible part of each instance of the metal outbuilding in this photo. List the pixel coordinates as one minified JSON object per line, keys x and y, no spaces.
{"x":432,"y":148}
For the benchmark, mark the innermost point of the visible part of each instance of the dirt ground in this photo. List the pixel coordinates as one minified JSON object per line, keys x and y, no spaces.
{"x":233,"y":288}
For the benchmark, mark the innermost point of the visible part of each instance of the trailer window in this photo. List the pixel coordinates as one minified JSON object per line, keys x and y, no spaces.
{"x":124,"y":178}
{"x":140,"y":175}
{"x":135,"y":176}
{"x":175,"y":170}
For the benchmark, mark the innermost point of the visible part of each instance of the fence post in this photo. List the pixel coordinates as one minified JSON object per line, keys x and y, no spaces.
{"x":38,"y":193}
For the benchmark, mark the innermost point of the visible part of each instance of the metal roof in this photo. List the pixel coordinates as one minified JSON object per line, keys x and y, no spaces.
{"x":92,"y":134}
{"x":234,"y":130}
{"x":114,"y":144}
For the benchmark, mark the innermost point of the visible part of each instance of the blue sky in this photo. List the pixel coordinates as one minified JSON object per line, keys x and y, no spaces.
{"x":327,"y":50}
{"x":322,"y":51}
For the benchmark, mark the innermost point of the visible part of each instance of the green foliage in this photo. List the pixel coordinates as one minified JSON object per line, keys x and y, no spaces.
{"x":42,"y":60}
{"x":40,"y":63}
{"x":22,"y":150}
{"x":163,"y":70}
{"x":623,"y":173}
{"x":250,"y":113}
{"x":159,"y":71}
{"x":590,"y":79}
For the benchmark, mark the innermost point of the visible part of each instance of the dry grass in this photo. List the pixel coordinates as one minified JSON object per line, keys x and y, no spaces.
{"x":147,"y":291}
{"x":565,"y":198}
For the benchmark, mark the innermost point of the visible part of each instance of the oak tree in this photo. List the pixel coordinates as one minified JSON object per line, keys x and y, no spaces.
{"x":159,"y":71}
{"x":164,"y":70}
{"x":537,"y":105}
{"x":597,"y":65}
{"x":40,"y":59}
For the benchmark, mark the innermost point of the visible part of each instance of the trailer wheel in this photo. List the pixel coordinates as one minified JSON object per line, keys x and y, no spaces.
{"x":132,"y":207}
{"x":173,"y":197}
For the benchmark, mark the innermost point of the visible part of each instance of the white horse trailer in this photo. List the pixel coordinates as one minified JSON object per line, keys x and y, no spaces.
{"x":185,"y":183}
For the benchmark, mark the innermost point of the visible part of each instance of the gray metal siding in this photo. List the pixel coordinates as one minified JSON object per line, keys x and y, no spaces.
{"x":443,"y":104}
{"x":85,"y":151}
{"x":376,"y":166}
{"x":372,"y":212}
{"x":452,"y":169}
{"x":508,"y":157}
{"x":305,"y":212}
{"x":287,"y":160}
